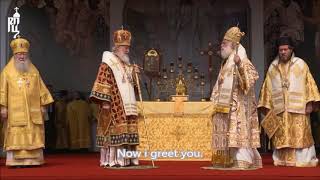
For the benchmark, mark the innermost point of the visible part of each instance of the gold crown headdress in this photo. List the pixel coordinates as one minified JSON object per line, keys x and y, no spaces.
{"x":19,"y":45}
{"x":234,"y":34}
{"x":122,"y":37}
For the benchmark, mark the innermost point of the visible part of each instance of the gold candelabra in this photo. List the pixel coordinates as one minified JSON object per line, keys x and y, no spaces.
{"x":179,"y":77}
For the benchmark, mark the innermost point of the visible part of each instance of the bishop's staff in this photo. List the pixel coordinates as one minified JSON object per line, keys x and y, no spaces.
{"x":142,"y":108}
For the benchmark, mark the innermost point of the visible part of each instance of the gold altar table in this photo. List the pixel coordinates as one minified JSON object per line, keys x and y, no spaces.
{"x":176,"y":135}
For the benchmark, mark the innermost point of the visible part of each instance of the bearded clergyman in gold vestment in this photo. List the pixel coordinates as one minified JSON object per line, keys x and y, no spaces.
{"x":288,"y":95}
{"x":235,"y":122}
{"x":23,"y":97}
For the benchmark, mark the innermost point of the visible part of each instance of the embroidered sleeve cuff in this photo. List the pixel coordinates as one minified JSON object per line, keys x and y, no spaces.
{"x":46,"y":99}
{"x":101,"y":92}
{"x":96,"y":96}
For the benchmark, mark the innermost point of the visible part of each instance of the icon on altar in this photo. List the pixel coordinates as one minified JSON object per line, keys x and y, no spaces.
{"x":181,"y":90}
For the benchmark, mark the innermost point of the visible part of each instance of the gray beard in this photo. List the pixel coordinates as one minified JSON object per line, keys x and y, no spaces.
{"x":22,"y":66}
{"x":225,"y":54}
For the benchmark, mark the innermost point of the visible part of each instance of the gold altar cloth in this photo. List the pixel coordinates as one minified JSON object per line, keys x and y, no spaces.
{"x":174,"y":135}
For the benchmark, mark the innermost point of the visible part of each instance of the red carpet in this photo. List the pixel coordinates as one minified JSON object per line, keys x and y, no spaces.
{"x":85,"y":166}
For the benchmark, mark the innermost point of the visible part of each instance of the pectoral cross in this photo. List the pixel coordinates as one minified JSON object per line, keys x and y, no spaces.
{"x":209,"y":53}
{"x":27,"y":82}
{"x":20,"y":82}
{"x":286,"y":83}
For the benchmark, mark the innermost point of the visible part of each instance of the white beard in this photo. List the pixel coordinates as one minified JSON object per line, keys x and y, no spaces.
{"x":22,"y":66}
{"x":226,"y":52}
{"x":124,"y":57}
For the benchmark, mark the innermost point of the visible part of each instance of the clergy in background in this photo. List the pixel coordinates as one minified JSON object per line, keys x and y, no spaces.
{"x":236,"y":134}
{"x":113,"y":90}
{"x":23,"y":97}
{"x":62,"y":139}
{"x":94,"y":119}
{"x":288,"y":95}
{"x":79,"y":123}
